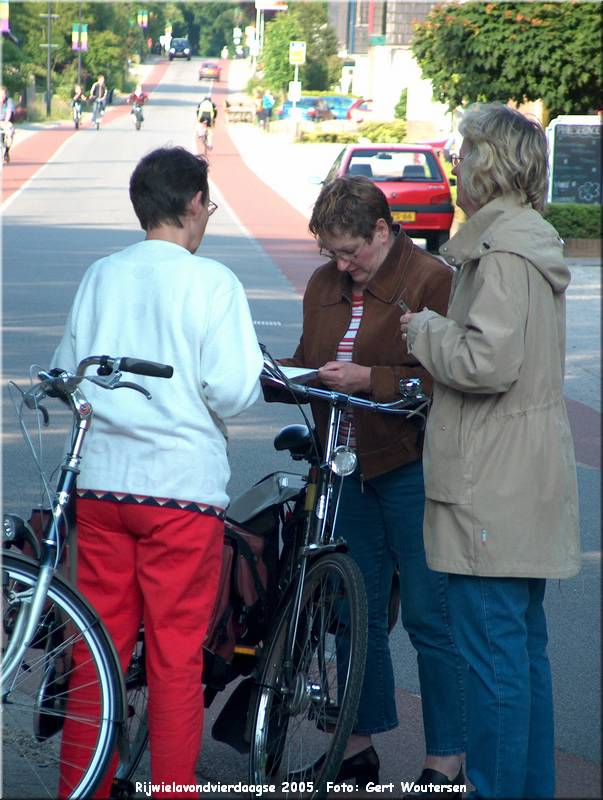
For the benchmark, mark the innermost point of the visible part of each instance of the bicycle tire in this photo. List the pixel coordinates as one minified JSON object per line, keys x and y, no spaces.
{"x":311,"y":712}
{"x":137,"y":726}
{"x":36,"y":700}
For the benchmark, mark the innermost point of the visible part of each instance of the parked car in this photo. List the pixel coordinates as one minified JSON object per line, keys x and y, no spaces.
{"x":315,"y":109}
{"x":209,"y":69}
{"x":361,"y":110}
{"x":339,"y":105}
{"x":180,"y":48}
{"x":412,"y":179}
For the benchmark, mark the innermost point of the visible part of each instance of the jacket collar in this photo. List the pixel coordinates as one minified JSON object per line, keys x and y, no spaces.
{"x":386,"y":284}
{"x":475,"y":237}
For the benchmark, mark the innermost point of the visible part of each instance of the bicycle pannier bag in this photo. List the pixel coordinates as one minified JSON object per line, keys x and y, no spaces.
{"x":241,"y":605}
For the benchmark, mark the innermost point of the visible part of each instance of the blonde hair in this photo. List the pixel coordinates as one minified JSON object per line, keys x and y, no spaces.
{"x":507,"y":153}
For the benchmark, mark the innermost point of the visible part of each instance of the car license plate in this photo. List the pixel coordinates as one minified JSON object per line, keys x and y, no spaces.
{"x":404,"y":216}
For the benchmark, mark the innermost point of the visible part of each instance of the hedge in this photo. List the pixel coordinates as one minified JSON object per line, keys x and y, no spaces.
{"x":575,"y":221}
{"x":385,"y":132}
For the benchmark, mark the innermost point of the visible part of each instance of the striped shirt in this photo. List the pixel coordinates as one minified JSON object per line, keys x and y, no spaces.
{"x":347,"y":434}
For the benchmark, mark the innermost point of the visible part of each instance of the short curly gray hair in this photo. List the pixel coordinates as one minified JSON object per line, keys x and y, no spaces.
{"x":507,"y":154}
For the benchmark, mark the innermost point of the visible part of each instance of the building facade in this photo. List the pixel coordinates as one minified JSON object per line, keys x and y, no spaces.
{"x":375,"y":42}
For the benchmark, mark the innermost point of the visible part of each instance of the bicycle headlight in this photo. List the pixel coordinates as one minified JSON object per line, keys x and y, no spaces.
{"x":344,"y":461}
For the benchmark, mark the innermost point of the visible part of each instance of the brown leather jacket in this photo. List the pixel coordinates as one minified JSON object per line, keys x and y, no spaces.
{"x":384,"y":441}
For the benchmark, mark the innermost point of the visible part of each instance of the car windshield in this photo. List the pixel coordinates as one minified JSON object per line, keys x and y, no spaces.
{"x":179,"y":42}
{"x":395,"y":165}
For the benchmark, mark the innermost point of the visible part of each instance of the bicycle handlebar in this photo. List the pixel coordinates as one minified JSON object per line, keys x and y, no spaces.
{"x":64,"y":385}
{"x":137,"y":366}
{"x":412,"y":402}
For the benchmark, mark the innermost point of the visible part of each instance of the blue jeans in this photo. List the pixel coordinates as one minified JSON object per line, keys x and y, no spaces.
{"x":500,"y":628}
{"x":382,"y":522}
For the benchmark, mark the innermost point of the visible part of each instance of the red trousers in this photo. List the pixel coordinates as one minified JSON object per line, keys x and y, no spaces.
{"x":162,"y":566}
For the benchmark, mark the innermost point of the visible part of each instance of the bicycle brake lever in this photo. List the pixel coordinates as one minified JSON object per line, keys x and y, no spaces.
{"x":130,"y":385}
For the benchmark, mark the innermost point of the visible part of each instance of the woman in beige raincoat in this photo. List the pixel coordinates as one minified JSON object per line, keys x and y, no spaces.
{"x":500,"y":476}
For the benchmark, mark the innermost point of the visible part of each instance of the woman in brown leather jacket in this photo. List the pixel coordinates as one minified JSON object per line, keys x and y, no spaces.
{"x":351,"y":333}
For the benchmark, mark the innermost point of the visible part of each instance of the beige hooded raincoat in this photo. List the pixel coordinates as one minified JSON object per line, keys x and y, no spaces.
{"x":500,"y":472}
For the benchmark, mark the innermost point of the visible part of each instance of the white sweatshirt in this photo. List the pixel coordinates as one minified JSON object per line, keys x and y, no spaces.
{"x":156,"y":301}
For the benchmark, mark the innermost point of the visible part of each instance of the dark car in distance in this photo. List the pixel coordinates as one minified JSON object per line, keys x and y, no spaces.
{"x":180,"y":48}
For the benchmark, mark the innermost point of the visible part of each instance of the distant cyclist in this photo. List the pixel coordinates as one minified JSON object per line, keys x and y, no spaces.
{"x":137,"y":99}
{"x":7,"y":115}
{"x":206,"y":117}
{"x":77,"y":104}
{"x":98,"y":96}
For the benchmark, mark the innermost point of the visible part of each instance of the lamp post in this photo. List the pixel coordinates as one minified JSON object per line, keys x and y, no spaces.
{"x":49,"y":16}
{"x":142,"y":18}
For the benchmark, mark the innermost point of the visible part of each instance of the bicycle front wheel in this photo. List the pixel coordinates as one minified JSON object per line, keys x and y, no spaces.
{"x":306,"y":705}
{"x":64,"y":705}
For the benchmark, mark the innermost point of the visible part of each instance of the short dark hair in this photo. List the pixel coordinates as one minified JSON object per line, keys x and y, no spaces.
{"x":163,"y":184}
{"x":351,"y":204}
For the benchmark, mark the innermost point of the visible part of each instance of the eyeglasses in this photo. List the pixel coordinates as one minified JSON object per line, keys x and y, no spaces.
{"x":344,"y":255}
{"x":456,"y":160}
{"x":211,"y":207}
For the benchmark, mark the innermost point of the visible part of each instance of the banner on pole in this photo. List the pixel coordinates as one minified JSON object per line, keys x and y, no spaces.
{"x":4,"y":23}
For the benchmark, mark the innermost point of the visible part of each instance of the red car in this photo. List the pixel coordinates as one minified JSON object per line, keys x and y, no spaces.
{"x":361,"y":110}
{"x":413,"y":181}
{"x":209,"y":69}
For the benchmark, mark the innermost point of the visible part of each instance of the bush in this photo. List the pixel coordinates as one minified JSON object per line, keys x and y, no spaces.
{"x":575,"y":221}
{"x":400,"y":108}
{"x":386,"y":132}
{"x":341,"y":137}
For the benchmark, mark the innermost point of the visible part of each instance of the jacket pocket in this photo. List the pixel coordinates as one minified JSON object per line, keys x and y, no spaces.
{"x":447,"y":473}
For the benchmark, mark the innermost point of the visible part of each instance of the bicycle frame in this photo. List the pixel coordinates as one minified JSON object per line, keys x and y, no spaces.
{"x":68,"y":388}
{"x":321,"y":513}
{"x":54,"y":535}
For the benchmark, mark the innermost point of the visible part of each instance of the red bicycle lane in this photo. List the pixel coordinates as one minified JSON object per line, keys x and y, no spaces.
{"x":29,"y":156}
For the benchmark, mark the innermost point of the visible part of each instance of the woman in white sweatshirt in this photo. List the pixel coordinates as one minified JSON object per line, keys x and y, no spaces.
{"x":152,"y":487}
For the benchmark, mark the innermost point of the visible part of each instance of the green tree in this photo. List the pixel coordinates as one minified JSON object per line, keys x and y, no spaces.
{"x":513,"y":51}
{"x":307,"y":22}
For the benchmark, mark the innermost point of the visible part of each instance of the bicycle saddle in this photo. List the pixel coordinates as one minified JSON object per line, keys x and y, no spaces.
{"x":295,"y":438}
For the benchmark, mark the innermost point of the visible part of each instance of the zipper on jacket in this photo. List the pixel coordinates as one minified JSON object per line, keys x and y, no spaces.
{"x":361,"y":483}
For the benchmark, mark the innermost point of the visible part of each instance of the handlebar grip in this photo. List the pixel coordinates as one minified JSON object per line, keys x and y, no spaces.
{"x":151,"y":368}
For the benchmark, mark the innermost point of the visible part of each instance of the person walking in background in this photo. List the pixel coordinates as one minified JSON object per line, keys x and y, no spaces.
{"x":152,"y":487}
{"x":267,"y":106}
{"x":500,"y":474}
{"x":351,"y":333}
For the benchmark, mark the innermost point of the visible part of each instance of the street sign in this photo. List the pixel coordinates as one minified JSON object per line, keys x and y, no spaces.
{"x":297,"y":53}
{"x":294,"y":93}
{"x":270,"y":5}
{"x":575,"y":159}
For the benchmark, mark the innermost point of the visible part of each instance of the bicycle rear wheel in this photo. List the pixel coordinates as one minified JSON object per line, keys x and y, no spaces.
{"x":137,"y":727}
{"x":44,"y":696}
{"x":306,"y":707}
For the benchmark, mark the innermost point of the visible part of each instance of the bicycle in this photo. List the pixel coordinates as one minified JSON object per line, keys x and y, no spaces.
{"x":205,"y":135}
{"x":307,"y":662}
{"x":138,"y":115}
{"x":44,"y":618}
{"x":6,"y":135}
{"x":77,"y":114}
{"x":98,"y":109}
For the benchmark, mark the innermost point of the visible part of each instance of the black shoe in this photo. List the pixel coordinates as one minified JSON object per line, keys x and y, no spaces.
{"x":436,"y":778}
{"x":363,"y":767}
